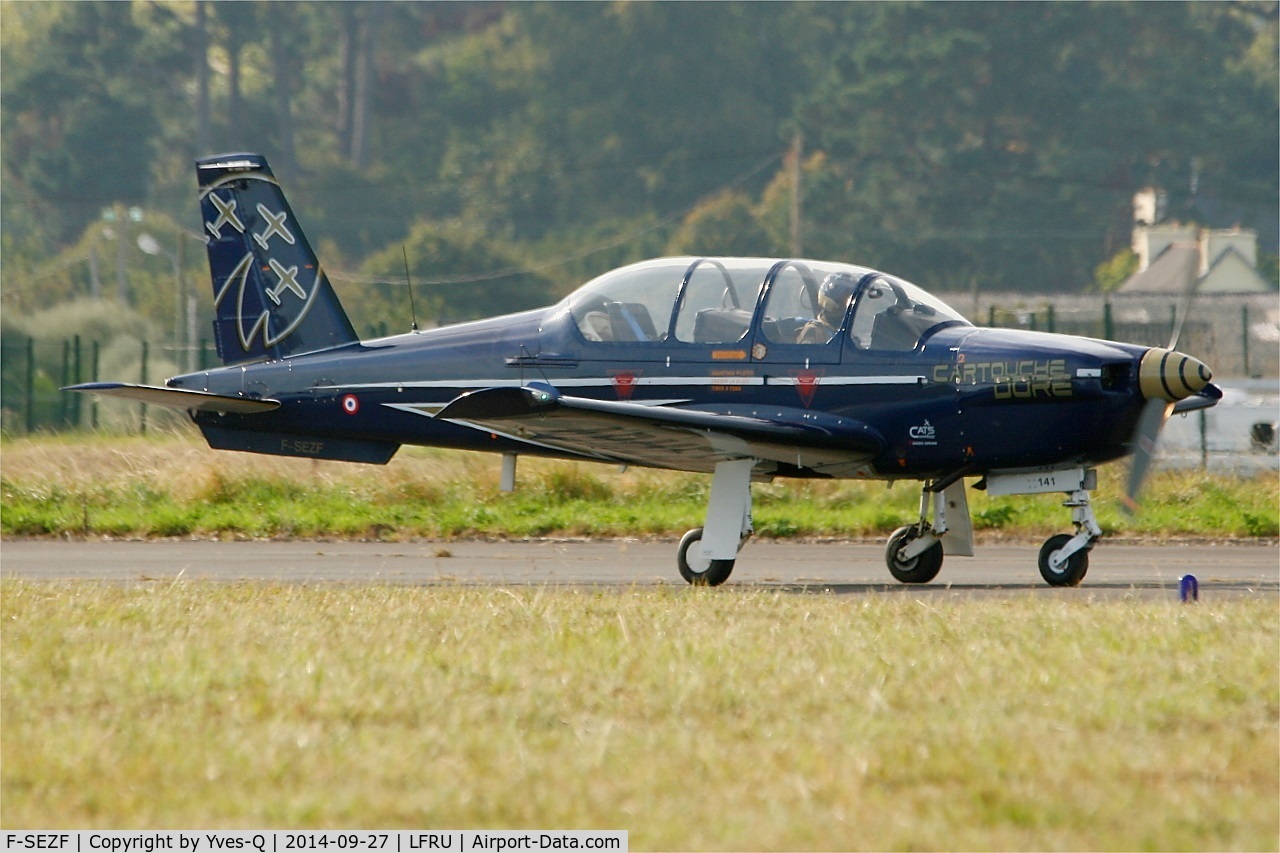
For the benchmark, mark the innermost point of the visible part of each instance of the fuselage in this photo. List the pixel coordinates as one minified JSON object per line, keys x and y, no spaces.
{"x":959,"y":397}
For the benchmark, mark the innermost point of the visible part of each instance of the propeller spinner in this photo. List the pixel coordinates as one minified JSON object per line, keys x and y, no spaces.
{"x":1165,"y":376}
{"x":1168,"y":375}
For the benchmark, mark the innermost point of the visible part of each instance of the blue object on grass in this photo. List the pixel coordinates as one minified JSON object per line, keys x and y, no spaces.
{"x":1189,"y":588}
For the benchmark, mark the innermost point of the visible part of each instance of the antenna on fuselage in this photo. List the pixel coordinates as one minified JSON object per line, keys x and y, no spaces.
{"x":413,"y":312}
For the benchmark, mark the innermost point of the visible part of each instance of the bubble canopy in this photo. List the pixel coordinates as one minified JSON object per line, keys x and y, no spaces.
{"x":689,"y":300}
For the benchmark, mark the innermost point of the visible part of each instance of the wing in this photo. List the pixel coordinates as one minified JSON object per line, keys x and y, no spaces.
{"x":664,"y":437}
{"x":178,"y":398}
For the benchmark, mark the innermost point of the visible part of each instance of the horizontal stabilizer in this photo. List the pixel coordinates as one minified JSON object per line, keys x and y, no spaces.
{"x":666,"y":437}
{"x":178,"y":398}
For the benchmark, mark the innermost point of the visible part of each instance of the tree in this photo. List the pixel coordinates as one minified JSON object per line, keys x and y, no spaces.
{"x":725,"y":224}
{"x":457,"y":273}
{"x":998,"y":143}
{"x":955,"y":143}
{"x":80,"y":112}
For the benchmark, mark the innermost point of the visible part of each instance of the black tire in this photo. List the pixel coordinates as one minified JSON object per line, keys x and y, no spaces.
{"x":920,"y":569}
{"x":714,"y":573}
{"x":1077,"y":565}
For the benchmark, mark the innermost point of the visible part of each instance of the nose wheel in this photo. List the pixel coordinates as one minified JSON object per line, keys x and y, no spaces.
{"x":1064,"y":559}
{"x":1063,"y":571}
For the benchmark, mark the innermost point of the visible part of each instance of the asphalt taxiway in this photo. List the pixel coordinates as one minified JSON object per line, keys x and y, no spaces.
{"x":1116,"y":569}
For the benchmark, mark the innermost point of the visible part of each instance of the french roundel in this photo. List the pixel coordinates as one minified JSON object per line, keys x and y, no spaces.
{"x":350,"y":404}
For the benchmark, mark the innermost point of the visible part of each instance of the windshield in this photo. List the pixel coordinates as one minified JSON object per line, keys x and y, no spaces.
{"x":713,"y":301}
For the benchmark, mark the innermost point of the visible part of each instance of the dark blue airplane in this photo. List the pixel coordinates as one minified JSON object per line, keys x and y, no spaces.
{"x":745,"y":368}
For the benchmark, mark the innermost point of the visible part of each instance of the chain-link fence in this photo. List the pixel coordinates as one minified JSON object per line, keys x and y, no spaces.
{"x":34,"y":369}
{"x":1237,"y":336}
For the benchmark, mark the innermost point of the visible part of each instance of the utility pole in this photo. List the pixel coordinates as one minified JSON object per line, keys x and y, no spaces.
{"x":204,"y":137}
{"x":796,"y":155}
{"x":122,"y":256}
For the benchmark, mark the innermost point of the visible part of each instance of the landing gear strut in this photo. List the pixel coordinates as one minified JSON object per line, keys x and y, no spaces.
{"x":914,"y":554}
{"x":707,"y":553}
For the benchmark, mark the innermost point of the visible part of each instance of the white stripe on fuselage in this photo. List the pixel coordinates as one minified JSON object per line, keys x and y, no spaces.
{"x":651,"y":381}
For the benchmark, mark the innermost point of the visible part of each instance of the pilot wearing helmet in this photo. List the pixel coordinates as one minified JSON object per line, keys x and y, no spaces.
{"x":833,"y":300}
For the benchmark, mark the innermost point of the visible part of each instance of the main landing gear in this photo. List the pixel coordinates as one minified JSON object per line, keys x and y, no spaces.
{"x":914,"y":554}
{"x":707,"y":553}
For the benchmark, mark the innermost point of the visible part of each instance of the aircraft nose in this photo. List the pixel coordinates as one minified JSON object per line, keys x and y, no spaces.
{"x":1170,"y":375}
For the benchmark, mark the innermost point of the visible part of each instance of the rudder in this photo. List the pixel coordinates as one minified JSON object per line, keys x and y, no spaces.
{"x":271,"y":296}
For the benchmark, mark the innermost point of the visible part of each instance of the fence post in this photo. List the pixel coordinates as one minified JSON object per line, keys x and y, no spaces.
{"x":1244,"y":337}
{"x":31,"y":385}
{"x":78,"y":367}
{"x":1050,"y":318}
{"x":143,"y":381}
{"x":93,"y":377}
{"x":1108,"y":325}
{"x":991,"y":316}
{"x":1204,"y":442}
{"x":64,"y":416}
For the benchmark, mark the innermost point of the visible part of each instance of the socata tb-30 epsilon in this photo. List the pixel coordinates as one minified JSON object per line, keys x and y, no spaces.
{"x":745,"y":368}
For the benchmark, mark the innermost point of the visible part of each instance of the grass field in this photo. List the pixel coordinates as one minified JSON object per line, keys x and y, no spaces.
{"x":694,"y":718}
{"x":173,"y":485}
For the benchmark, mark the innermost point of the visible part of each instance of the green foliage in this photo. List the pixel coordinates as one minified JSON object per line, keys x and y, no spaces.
{"x":1110,"y":274}
{"x":959,"y":144}
{"x":83,"y":90}
{"x":1269,"y":267}
{"x":140,"y":487}
{"x":1027,"y":129}
{"x":725,"y":224}
{"x":92,"y":320}
{"x":457,"y":274}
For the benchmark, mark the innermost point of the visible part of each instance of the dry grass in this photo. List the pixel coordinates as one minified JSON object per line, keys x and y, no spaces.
{"x":696,"y":719}
{"x":172,"y":485}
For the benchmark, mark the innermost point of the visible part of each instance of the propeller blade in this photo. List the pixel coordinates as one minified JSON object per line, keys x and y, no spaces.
{"x":1145,"y":436}
{"x":1184,"y":308}
{"x":1181,"y":318}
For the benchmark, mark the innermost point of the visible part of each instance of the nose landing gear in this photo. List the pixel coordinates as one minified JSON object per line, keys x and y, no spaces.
{"x":1064,"y":560}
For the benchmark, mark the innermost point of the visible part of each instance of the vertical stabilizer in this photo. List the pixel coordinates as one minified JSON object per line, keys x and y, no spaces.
{"x":270,"y":295}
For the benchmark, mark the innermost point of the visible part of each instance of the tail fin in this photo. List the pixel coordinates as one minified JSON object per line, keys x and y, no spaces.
{"x":270,"y":294}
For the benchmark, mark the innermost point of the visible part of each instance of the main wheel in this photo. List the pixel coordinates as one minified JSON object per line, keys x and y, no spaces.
{"x":697,"y":569}
{"x":1069,"y":573}
{"x":921,"y":568}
